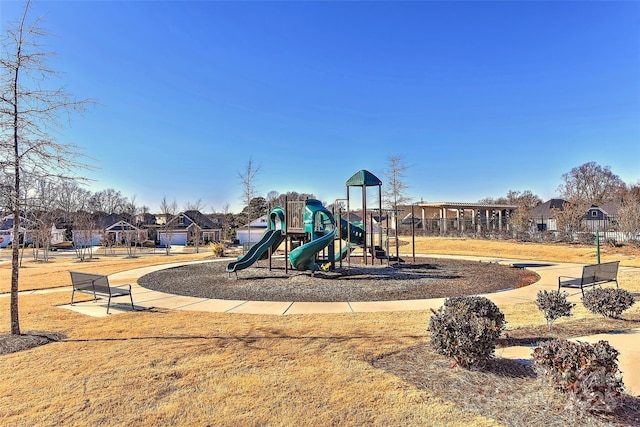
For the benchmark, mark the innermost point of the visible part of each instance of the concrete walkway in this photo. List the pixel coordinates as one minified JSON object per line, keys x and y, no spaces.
{"x":628,"y":343}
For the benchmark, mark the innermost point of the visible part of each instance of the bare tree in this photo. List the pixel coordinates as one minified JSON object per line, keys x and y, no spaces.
{"x":29,"y":114}
{"x":131,"y":235}
{"x":227,"y":220}
{"x":591,"y":184}
{"x":395,"y":191}
{"x":569,"y":218}
{"x":525,"y":202}
{"x":43,"y":233}
{"x":272,"y":198}
{"x":108,"y":201}
{"x":43,"y":213}
{"x":629,"y":212}
{"x":84,"y":227}
{"x":629,"y":221}
{"x":247,"y":179}
{"x":71,"y":198}
{"x":168,"y":210}
{"x":198,"y":205}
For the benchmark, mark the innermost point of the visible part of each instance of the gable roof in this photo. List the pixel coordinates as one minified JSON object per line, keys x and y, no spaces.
{"x":197,"y":218}
{"x":545,"y":209}
{"x":103,"y":220}
{"x":609,"y":208}
{"x":121,"y":225}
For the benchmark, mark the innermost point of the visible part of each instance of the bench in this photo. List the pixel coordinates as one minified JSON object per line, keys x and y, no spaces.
{"x":592,"y":274}
{"x":98,"y":284}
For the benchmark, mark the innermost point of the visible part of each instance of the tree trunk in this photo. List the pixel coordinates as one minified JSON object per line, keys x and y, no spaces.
{"x":15,"y":269}
{"x":15,"y":245}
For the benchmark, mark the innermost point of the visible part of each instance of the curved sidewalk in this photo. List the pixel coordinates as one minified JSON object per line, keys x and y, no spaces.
{"x":147,"y":298}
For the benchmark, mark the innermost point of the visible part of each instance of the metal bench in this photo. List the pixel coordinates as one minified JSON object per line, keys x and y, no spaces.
{"x":592,"y":274}
{"x":98,"y":284}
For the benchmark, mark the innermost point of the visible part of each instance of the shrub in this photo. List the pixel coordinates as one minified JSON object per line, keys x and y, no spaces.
{"x":466,"y":328}
{"x":553,"y":305}
{"x":217,"y":249}
{"x":610,"y":302}
{"x":587,"y":372}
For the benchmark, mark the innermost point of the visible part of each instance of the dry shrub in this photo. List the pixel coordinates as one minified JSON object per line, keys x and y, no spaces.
{"x":217,"y":249}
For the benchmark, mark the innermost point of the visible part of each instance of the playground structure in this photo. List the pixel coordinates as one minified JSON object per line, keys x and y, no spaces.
{"x":309,"y":229}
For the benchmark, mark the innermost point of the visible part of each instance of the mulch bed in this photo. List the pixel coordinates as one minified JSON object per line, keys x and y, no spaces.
{"x":426,"y":278}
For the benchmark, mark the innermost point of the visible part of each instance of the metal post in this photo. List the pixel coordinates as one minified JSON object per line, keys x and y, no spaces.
{"x":348,"y":230}
{"x":413,"y":234}
{"x":286,"y":237}
{"x":364,"y":223}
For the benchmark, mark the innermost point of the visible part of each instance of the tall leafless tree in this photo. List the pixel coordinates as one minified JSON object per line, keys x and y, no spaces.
{"x":591,"y":184}
{"x":629,"y":212}
{"x":130,"y":232}
{"x":168,"y":210}
{"x":395,"y":192}
{"x":84,"y":227}
{"x":71,"y":198}
{"x":248,"y":180}
{"x":109,"y":201}
{"x":198,"y":205}
{"x":30,"y":114}
{"x":272,"y":198}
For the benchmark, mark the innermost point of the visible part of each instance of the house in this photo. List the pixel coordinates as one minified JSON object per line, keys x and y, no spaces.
{"x":253,"y":232}
{"x":603,"y":217}
{"x":102,"y":228}
{"x":184,"y":227}
{"x":543,"y":217}
{"x":145,"y":218}
{"x":27,"y":231}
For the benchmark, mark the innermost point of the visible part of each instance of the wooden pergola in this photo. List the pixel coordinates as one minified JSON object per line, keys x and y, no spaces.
{"x":455,"y":214}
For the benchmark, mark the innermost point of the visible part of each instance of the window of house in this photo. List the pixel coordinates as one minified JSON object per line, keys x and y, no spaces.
{"x":181,"y":220}
{"x":594,"y":214}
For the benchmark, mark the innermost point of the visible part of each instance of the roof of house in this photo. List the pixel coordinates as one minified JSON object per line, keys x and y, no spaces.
{"x":546,"y":209}
{"x":609,"y":208}
{"x":198,"y":218}
{"x":103,"y":220}
{"x":6,"y":223}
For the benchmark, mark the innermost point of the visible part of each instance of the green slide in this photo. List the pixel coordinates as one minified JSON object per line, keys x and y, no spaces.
{"x":320,"y":225}
{"x":304,"y":257}
{"x":272,"y":238}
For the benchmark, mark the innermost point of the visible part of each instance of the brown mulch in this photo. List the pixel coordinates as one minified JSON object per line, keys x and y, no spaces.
{"x":426,"y":278}
{"x":11,"y":343}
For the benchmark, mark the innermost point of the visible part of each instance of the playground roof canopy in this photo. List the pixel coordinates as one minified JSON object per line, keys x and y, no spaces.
{"x":363,"y":178}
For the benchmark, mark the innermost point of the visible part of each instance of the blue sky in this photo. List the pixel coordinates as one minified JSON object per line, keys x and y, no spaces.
{"x":478,"y":97}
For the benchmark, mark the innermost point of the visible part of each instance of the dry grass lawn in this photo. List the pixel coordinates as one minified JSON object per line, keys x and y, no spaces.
{"x":161,"y":367}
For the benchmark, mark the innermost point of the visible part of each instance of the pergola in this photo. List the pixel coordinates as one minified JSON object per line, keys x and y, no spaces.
{"x":480,"y":213}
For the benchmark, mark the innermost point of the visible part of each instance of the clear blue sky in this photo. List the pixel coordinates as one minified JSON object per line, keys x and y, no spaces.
{"x":479,"y":97}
